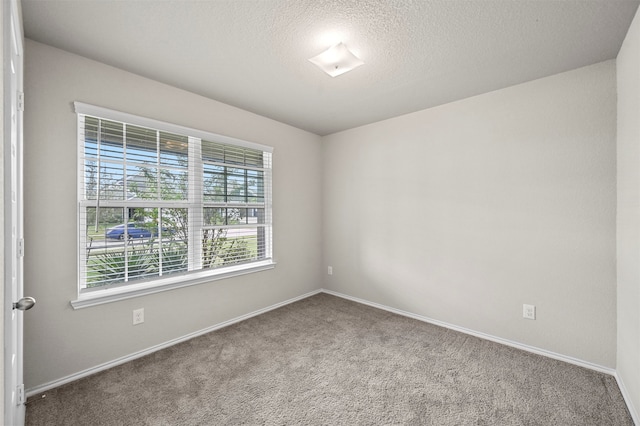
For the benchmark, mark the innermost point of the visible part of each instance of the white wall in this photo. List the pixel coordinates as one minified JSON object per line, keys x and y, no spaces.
{"x":628,"y":70}
{"x":60,"y":341}
{"x":464,"y":212}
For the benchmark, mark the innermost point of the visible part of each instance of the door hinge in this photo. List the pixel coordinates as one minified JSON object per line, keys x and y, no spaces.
{"x":21,"y":101}
{"x":21,"y":247}
{"x":20,"y":393}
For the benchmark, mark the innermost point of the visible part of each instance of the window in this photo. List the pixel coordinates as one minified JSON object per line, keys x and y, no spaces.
{"x":161,"y":205}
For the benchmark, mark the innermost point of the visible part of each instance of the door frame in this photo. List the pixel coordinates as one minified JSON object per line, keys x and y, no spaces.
{"x":13,"y":43}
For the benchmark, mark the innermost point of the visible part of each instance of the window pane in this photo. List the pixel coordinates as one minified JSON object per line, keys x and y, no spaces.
{"x":214,"y":183}
{"x":142,"y":251}
{"x":111,"y":137}
{"x":91,"y":130}
{"x":255,"y":186}
{"x":103,"y":155}
{"x":215,"y":216}
{"x":91,"y":137}
{"x":255,"y":216}
{"x":174,"y":237}
{"x":228,"y":246}
{"x":142,"y":182}
{"x":173,"y":184}
{"x":142,"y":260}
{"x":105,"y":260}
{"x":227,"y":216}
{"x":232,"y":216}
{"x":90,"y":180}
{"x":236,"y":189}
{"x":118,"y":253}
{"x":173,"y":150}
{"x":142,"y":145}
{"x":111,"y":184}
{"x":106,"y":218}
{"x":143,"y":257}
{"x":236,"y":216}
{"x":175,"y":224}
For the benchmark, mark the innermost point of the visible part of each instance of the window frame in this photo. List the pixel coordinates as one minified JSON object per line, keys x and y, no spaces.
{"x":97,"y":296}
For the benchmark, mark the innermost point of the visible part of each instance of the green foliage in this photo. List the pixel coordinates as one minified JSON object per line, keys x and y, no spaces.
{"x":141,"y":259}
{"x":212,"y":247}
{"x":174,"y":257}
{"x":235,"y":250}
{"x":109,"y":267}
{"x":219,"y":250}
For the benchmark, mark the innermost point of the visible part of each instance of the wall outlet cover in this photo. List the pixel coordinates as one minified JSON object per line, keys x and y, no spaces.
{"x":138,"y":316}
{"x":529,"y":311}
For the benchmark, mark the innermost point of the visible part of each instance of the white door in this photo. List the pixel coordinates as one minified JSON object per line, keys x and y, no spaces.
{"x":14,"y":409}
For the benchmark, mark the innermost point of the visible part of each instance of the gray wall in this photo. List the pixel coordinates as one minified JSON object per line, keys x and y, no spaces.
{"x":464,"y":212}
{"x":628,"y":68}
{"x":60,"y":341}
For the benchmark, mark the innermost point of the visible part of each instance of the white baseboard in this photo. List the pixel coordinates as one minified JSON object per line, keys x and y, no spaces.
{"x":484,"y":336}
{"x":84,"y":373}
{"x":627,"y":399}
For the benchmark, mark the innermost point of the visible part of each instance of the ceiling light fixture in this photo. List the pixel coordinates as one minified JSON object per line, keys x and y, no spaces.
{"x":336,"y":60}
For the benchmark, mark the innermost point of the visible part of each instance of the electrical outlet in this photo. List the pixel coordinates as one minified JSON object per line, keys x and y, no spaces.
{"x":529,"y":311}
{"x":138,"y":316}
{"x":330,"y":270}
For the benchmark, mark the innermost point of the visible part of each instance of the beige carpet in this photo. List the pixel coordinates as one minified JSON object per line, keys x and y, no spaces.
{"x":329,"y":361}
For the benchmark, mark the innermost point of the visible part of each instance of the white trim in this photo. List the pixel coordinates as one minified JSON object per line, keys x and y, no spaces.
{"x":100,"y":297}
{"x":110,"y":114}
{"x":627,"y":398}
{"x":195,"y":197}
{"x":104,"y":366}
{"x":81,"y":246}
{"x":507,"y":342}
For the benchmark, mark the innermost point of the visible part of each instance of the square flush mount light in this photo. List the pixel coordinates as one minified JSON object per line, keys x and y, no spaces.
{"x":336,"y":60}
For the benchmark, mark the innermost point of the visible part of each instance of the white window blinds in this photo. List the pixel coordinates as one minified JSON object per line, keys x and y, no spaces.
{"x":158,"y":200}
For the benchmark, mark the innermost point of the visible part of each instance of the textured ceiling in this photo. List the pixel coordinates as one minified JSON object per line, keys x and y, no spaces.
{"x":254,"y":54}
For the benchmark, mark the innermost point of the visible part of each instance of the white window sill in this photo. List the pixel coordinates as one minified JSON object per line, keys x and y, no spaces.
{"x":99,"y":297}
